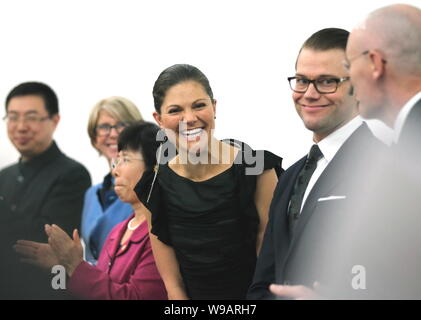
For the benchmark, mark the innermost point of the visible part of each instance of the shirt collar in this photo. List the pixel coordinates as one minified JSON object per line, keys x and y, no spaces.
{"x":403,"y":114}
{"x":140,"y":232}
{"x":332,"y":143}
{"x":41,"y":160}
{"x":137,"y":235}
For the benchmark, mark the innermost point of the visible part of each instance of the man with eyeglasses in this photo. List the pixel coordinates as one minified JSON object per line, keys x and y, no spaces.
{"x":384,"y":61}
{"x":44,"y":187}
{"x":309,"y":199}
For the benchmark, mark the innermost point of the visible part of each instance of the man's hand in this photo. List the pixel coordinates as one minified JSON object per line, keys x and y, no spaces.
{"x":295,"y":292}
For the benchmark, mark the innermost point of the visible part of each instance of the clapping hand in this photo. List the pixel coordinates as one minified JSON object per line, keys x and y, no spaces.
{"x":60,"y":250}
{"x":36,"y":253}
{"x":68,"y":251}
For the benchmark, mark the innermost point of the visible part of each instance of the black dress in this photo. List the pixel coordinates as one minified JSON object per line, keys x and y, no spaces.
{"x":211,"y":225}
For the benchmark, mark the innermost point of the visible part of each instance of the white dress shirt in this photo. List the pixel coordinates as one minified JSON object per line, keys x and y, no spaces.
{"x":329,"y":146}
{"x":403,"y":114}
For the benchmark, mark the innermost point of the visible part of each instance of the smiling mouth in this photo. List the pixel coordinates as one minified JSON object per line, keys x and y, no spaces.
{"x":315,"y":106}
{"x":22,"y":140}
{"x":192,"y":134}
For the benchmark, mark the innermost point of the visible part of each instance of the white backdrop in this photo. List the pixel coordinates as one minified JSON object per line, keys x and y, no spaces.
{"x":90,"y":49}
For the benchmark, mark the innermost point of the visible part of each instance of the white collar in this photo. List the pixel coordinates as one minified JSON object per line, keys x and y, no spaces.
{"x":332,"y":143}
{"x":403,"y":114}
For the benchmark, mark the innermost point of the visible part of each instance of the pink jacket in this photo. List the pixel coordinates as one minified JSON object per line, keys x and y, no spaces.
{"x":128,"y":275}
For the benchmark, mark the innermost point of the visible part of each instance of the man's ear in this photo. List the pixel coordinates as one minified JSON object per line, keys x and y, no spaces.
{"x":56,"y":119}
{"x":377,"y":64}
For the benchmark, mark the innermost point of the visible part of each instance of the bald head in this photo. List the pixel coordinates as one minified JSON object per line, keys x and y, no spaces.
{"x":396,"y":31}
{"x":384,"y":60}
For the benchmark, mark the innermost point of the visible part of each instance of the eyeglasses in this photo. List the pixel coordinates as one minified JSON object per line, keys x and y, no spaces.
{"x":31,"y":120}
{"x":347,"y":63}
{"x":322,"y":85}
{"x":105,"y":129}
{"x":123,"y":161}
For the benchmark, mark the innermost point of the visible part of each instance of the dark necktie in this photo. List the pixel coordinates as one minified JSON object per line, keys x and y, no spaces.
{"x":301,"y":184}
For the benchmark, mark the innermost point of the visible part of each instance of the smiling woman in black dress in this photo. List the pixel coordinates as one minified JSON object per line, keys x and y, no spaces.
{"x":209,"y":203}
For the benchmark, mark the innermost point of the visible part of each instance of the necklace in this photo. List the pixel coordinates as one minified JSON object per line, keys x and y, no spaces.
{"x":130,"y":227}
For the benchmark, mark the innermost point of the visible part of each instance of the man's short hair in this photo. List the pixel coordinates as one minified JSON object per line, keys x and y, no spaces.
{"x":37,"y":89}
{"x":327,"y":39}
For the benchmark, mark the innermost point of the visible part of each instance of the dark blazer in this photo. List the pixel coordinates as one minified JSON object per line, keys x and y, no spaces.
{"x":47,"y":189}
{"x":295,"y":258}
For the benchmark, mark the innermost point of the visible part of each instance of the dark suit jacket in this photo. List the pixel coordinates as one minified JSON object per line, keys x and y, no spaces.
{"x":47,"y":189}
{"x":295,"y":258}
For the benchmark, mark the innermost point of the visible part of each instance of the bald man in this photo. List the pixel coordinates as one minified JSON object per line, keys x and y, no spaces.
{"x":384,"y":61}
{"x":383,"y":239}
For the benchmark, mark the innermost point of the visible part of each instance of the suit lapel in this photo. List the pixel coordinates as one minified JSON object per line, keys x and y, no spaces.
{"x":282,"y":237}
{"x":114,"y":240}
{"x":411,"y":131}
{"x":334,"y":174}
{"x":287,"y":192}
{"x":279,"y":206}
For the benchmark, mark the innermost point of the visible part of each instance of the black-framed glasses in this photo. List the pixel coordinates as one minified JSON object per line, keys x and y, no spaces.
{"x":322,"y":85}
{"x":31,"y":120}
{"x":105,"y":129}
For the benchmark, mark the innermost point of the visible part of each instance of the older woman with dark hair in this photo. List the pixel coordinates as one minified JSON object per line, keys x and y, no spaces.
{"x":126,"y":268}
{"x":209,"y":204}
